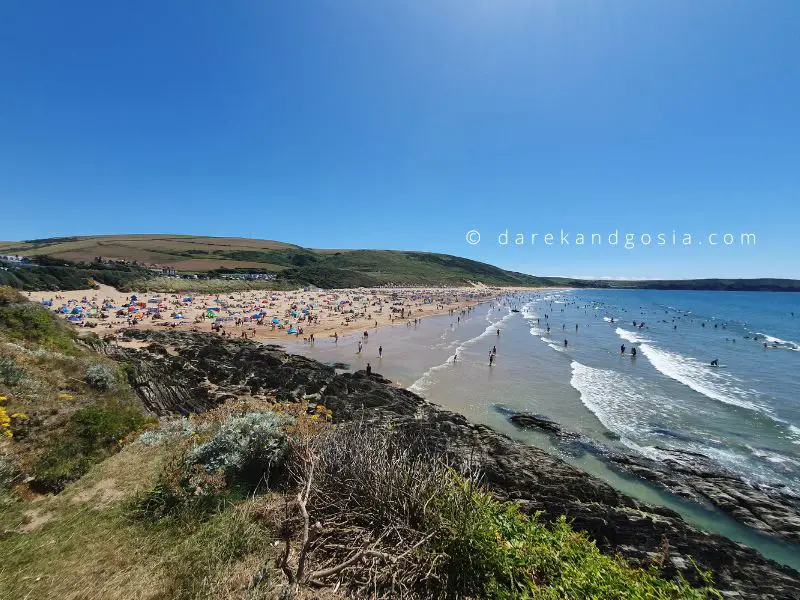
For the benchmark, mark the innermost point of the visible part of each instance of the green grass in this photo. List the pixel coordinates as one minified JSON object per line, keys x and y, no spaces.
{"x":90,"y":549}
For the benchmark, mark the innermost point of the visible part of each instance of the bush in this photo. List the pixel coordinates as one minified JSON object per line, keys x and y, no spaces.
{"x":245,"y":449}
{"x":100,"y":377}
{"x":91,"y":435}
{"x":10,"y":374}
{"x":438,"y":534}
{"x":244,"y":452}
{"x":35,"y":324}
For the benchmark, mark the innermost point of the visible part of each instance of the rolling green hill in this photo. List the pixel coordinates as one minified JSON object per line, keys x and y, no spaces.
{"x":74,"y":261}
{"x":71,"y":262}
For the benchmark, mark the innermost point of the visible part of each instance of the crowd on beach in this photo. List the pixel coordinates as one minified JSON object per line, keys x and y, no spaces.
{"x":301,"y":314}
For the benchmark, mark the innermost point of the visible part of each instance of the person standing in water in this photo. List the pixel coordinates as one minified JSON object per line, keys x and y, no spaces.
{"x":369,"y":369}
{"x":622,"y":349}
{"x":380,"y":351}
{"x":633,"y":352}
{"x":491,"y":359}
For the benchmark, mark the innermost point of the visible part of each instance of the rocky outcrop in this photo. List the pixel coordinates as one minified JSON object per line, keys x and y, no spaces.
{"x":771,"y":511}
{"x":182,"y":372}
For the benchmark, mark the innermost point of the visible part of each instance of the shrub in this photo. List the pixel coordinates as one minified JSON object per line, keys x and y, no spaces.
{"x":244,"y":452}
{"x":245,"y":449}
{"x":181,"y":491}
{"x":35,"y":324}
{"x":100,"y":377}
{"x":10,"y":374}
{"x":438,"y":534}
{"x":91,"y":435}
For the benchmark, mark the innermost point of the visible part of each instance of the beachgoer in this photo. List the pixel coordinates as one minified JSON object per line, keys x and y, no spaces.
{"x":633,"y":352}
{"x":380,"y":351}
{"x":622,"y":349}
{"x":369,"y":369}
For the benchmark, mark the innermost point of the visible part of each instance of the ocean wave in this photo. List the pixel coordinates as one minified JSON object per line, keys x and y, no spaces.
{"x":788,"y":345}
{"x":615,"y":399}
{"x":702,"y":379}
{"x":630,"y":336}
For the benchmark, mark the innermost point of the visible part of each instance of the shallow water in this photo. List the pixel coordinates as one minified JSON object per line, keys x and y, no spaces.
{"x":745,"y":415}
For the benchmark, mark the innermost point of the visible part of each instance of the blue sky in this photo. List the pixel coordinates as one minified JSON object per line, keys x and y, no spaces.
{"x":363,"y":124}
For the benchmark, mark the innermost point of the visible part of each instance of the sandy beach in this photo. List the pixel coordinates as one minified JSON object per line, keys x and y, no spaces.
{"x":262,"y":314}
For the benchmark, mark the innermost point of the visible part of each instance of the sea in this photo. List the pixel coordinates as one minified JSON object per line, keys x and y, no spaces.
{"x":560,"y":354}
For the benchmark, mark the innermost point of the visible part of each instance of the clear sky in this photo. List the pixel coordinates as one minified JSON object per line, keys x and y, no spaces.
{"x":365,"y":124}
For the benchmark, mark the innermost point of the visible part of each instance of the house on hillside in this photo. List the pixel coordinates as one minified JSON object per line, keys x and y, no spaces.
{"x":15,"y":259}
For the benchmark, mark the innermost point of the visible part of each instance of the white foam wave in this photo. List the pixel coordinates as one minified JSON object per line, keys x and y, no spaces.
{"x":788,"y":345}
{"x":703,"y":380}
{"x":612,"y":397}
{"x":631,"y":336}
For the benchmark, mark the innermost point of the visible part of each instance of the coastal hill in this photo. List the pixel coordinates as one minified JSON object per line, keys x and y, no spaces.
{"x":134,"y":261}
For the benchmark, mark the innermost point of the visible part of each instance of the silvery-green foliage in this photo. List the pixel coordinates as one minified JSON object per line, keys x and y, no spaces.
{"x":174,"y":429}
{"x":100,"y":377}
{"x":245,"y":447}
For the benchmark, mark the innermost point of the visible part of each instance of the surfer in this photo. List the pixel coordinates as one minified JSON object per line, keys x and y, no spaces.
{"x":715,"y":362}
